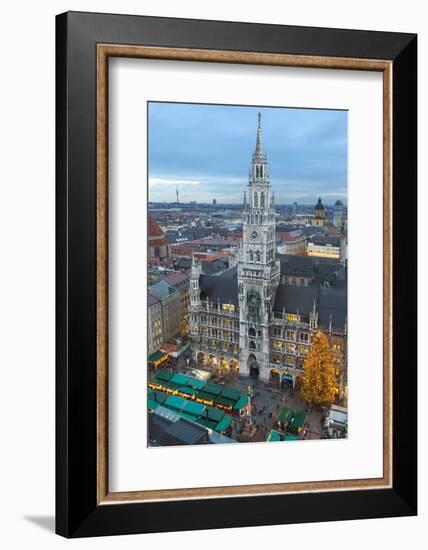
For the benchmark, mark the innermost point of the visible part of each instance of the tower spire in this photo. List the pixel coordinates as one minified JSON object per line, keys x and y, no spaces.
{"x":176,"y":192}
{"x":259,"y":153}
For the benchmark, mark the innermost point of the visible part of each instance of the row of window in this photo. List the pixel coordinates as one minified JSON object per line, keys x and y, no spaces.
{"x":215,"y":322}
{"x":224,"y":346}
{"x":222,"y":334}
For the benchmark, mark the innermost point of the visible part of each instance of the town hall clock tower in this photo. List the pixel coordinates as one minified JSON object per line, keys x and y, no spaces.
{"x":258,"y":270}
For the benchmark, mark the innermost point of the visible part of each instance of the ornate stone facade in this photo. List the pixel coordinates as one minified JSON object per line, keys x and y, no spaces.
{"x":245,"y":318}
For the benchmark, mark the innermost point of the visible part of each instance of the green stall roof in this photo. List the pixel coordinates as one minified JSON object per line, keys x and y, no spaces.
{"x":220,"y":400}
{"x":230,"y":393}
{"x":241,"y":403}
{"x":299,"y":420}
{"x":206,"y":396}
{"x":195,"y":383}
{"x":274,"y":436}
{"x":152,"y":405}
{"x":180,"y":379}
{"x":157,"y":395}
{"x":224,"y":423}
{"x":164,"y":375}
{"x":196,"y":409}
{"x":156,"y":356}
{"x":188,"y":391}
{"x":214,"y":414}
{"x":285,"y":414}
{"x":290,"y":437}
{"x":213,"y":389}
{"x":175,"y":402}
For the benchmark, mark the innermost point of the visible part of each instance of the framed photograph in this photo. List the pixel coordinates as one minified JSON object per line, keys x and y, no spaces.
{"x":236,"y":274}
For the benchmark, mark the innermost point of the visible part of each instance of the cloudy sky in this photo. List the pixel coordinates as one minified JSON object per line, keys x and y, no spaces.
{"x":206,"y":151}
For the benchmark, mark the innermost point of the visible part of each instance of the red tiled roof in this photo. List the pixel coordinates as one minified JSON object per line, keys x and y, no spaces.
{"x":154,"y":229}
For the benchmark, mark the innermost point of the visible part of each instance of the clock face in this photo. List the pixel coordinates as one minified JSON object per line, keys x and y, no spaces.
{"x":254,"y":235}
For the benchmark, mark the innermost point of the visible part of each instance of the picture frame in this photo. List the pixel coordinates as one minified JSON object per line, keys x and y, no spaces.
{"x":84,"y":44}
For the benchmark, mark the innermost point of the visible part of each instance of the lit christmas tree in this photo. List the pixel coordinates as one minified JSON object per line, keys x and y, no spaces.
{"x":319,"y":385}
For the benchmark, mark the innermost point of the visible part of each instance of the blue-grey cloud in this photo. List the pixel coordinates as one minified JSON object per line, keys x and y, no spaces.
{"x":206,"y":150}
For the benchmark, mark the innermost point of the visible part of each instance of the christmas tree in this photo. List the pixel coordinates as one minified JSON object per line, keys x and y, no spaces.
{"x":319,"y":385}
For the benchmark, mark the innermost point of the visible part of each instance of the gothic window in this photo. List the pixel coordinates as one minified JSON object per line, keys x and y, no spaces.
{"x":252,"y":345}
{"x":251,"y":256}
{"x":261,"y":171}
{"x":262,"y":200}
{"x":256,"y":202}
{"x":258,"y":256}
{"x":252,"y":332}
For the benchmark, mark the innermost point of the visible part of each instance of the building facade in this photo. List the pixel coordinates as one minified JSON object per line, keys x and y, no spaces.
{"x":169,"y":298}
{"x":247,"y":318}
{"x":154,"y":319}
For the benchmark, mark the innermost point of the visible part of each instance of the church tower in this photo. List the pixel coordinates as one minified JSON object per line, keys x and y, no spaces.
{"x":258,"y":270}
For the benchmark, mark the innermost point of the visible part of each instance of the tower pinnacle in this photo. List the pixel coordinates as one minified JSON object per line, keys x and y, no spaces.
{"x":259,"y":154}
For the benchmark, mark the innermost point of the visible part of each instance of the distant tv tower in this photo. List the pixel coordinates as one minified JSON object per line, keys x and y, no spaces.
{"x":176,"y":192}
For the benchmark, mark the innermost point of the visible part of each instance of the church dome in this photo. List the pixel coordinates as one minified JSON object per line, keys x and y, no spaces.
{"x":319,"y":205}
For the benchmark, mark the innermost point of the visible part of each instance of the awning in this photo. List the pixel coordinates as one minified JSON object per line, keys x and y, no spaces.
{"x":230,"y":393}
{"x":241,"y":403}
{"x":274,"y":436}
{"x":180,"y":379}
{"x":152,"y":405}
{"x":213,"y":389}
{"x":155,"y":356}
{"x":285,"y":415}
{"x":175,"y":402}
{"x":195,"y":383}
{"x":196,"y":409}
{"x":299,"y":420}
{"x":224,"y":423}
{"x":164,"y":375}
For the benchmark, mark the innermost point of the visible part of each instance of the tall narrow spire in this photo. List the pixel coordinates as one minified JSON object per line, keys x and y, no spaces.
{"x":176,"y":192}
{"x":259,"y":153}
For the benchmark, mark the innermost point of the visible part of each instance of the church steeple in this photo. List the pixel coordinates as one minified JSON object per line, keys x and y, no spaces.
{"x":259,"y":154}
{"x":259,"y":187}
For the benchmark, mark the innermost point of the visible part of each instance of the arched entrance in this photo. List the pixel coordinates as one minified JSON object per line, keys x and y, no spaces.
{"x":223,"y":363}
{"x":253,"y":366}
{"x":212,"y":361}
{"x":201,"y":357}
{"x":234,"y":364}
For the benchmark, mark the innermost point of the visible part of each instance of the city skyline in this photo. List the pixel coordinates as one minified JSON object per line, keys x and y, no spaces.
{"x":204,"y":149}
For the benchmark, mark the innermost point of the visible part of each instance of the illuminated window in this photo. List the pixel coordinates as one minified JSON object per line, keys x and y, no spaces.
{"x":290,"y":359}
{"x":291,"y":335}
{"x":225,"y":346}
{"x":291,"y":317}
{"x":276,"y":357}
{"x":228,"y":307}
{"x":303,"y":350}
{"x":337,"y":346}
{"x":227,"y":323}
{"x":291,"y":348}
{"x":277,"y":344}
